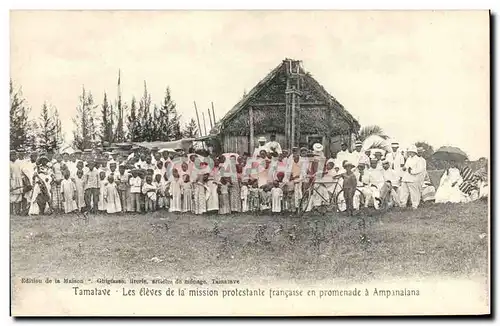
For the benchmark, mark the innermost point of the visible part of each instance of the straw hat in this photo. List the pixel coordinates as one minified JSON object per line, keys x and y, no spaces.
{"x":317,"y":147}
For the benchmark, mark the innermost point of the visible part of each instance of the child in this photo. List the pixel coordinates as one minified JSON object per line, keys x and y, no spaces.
{"x":160,"y":193}
{"x":224,"y":197}
{"x":91,"y":185}
{"x":175,"y":192}
{"x":111,"y":197}
{"x":276,"y":197}
{"x":212,"y":195}
{"x":349,"y":187}
{"x":234,"y":194}
{"x":135,"y":191}
{"x":253,"y":197}
{"x":149,"y":191}
{"x":68,"y":193}
{"x":244,"y":197}
{"x":187,"y":194}
{"x":199,"y":196}
{"x":102,"y":189}
{"x":159,"y":169}
{"x":264,"y":197}
{"x":80,"y":193}
{"x":122,"y":185}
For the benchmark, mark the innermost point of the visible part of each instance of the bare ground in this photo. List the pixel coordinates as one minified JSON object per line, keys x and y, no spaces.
{"x":436,"y":240}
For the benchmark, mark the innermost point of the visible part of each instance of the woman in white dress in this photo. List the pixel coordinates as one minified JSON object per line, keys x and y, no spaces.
{"x":448,"y":190}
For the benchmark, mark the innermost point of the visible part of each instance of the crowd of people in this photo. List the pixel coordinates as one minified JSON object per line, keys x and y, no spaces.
{"x":271,"y":179}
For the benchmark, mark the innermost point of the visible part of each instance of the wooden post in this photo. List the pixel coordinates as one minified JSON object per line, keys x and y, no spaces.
{"x":292,"y":132}
{"x":213,"y":113}
{"x":197,"y":118}
{"x":204,"y":123}
{"x":252,"y":141}
{"x":210,"y":119}
{"x":288,"y":97}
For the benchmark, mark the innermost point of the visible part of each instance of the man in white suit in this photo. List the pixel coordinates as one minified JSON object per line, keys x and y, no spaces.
{"x":411,"y":179}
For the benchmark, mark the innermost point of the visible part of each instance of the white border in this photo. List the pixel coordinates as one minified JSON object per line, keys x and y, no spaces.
{"x":185,"y":4}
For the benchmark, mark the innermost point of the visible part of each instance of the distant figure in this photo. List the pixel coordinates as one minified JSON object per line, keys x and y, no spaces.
{"x":273,"y":146}
{"x":262,"y":147}
{"x":411,"y":180}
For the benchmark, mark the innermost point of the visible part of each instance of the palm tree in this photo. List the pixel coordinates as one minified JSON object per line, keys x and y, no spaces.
{"x":368,"y":131}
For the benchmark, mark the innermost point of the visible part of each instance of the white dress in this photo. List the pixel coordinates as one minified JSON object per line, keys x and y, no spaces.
{"x":112,"y":199}
{"x":175,"y":192}
{"x":212,"y":196}
{"x":68,"y":190}
{"x":276,"y":197}
{"x":447,"y":193}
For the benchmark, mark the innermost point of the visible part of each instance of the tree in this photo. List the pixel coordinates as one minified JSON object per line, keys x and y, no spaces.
{"x":143,"y":115}
{"x":432,"y":163}
{"x":84,"y":132}
{"x":368,"y":131}
{"x":106,"y":121}
{"x":170,"y":119}
{"x":59,"y":137}
{"x":19,"y":123}
{"x":32,"y":139}
{"x":134,"y":124}
{"x":47,"y":130}
{"x":190,"y":130}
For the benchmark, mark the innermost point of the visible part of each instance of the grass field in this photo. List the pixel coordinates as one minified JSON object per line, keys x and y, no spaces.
{"x":436,"y":240}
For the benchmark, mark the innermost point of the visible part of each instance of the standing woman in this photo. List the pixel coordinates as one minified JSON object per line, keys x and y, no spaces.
{"x":234,"y":188}
{"x":199,"y":196}
{"x":42,"y":179}
{"x":16,"y":184}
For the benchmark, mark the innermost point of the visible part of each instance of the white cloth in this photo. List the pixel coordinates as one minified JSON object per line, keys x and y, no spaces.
{"x":212,"y":196}
{"x":244,"y":198}
{"x":344,"y":156}
{"x":392,"y":176}
{"x":276,"y":197}
{"x":256,"y":151}
{"x":414,"y":169}
{"x":396,"y":159}
{"x":448,"y":190}
{"x":273,"y":144}
{"x":68,"y":191}
{"x":176,"y":192}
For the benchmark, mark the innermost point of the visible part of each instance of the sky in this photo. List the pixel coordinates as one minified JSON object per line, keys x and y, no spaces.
{"x":421,"y":75}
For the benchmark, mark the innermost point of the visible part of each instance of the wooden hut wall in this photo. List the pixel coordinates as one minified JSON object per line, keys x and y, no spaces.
{"x":235,"y":144}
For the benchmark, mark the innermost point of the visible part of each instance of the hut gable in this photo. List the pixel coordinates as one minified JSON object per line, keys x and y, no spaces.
{"x":287,"y":94}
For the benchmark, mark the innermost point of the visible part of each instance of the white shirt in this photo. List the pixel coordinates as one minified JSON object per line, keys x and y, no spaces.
{"x":344,"y":156}
{"x":256,"y":152}
{"x":396,"y":159}
{"x":392,"y":176}
{"x":275,"y":145}
{"x":415,"y":163}
{"x":357,"y":157}
{"x":375,"y":177}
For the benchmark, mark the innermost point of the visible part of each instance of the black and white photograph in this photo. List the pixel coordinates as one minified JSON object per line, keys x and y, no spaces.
{"x":249,"y":163}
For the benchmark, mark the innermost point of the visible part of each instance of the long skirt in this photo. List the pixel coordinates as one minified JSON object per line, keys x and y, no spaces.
{"x":56,"y":196}
{"x":224,"y":207}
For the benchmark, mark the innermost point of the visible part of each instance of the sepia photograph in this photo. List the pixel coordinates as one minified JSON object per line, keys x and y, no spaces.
{"x":249,"y":163}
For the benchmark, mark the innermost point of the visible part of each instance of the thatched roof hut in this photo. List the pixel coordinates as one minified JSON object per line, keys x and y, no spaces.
{"x":290,"y":103}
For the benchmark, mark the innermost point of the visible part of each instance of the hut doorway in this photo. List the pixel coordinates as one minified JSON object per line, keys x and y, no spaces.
{"x":311,"y":140}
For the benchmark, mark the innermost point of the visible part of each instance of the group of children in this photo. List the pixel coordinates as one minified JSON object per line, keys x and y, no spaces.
{"x":148,"y":182}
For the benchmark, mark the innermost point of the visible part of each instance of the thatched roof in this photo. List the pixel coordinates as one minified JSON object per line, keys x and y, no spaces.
{"x":328,"y":98}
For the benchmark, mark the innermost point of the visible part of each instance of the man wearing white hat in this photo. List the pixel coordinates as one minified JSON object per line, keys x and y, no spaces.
{"x":396,"y":158}
{"x":410,"y":180}
{"x":273,"y":145}
{"x":344,"y":155}
{"x":262,"y":146}
{"x":358,"y":156}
